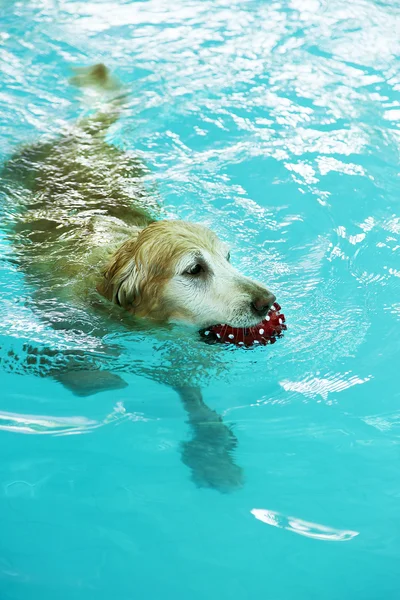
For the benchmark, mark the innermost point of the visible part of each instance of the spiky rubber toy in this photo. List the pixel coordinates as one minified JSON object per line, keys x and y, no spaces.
{"x":263,"y":333}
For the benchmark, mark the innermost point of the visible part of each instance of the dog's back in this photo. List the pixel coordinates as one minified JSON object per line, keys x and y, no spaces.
{"x":75,"y":198}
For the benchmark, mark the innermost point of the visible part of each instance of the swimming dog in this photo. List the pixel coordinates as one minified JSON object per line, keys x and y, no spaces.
{"x":86,"y":232}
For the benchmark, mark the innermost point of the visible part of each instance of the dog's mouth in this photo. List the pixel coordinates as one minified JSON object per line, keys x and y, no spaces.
{"x":263,"y":332}
{"x":242,"y":322}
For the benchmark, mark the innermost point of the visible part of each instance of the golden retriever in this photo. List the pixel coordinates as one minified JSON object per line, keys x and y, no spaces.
{"x":83,"y":224}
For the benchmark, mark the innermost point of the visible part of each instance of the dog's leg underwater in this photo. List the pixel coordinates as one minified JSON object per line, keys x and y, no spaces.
{"x":209,"y":453}
{"x":86,"y":382}
{"x":78,"y":371}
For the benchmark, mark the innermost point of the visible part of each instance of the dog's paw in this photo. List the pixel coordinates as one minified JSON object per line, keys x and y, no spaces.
{"x":88,"y":382}
{"x":212,"y":466}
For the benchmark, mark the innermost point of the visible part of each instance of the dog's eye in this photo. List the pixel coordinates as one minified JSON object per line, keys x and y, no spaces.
{"x":195,"y":270}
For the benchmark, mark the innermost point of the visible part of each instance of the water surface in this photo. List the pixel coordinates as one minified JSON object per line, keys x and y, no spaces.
{"x":276,"y":124}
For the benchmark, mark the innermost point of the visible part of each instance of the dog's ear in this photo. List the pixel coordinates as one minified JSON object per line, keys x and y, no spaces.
{"x":120,"y":281}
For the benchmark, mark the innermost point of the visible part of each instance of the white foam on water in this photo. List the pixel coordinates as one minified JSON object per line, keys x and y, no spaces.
{"x":305,"y":528}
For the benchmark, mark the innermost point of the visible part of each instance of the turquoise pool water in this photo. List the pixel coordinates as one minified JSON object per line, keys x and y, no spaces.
{"x":277,"y":124}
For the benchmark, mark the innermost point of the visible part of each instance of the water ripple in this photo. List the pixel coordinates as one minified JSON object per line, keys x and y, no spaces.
{"x":41,"y":424}
{"x":57,"y":425}
{"x":305,"y":528}
{"x":313,"y":387}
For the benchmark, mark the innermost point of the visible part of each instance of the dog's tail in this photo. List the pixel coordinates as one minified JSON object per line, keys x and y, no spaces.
{"x":97,"y":77}
{"x":106,"y":91}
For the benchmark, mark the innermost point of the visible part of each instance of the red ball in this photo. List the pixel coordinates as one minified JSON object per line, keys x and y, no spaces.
{"x":263,"y":333}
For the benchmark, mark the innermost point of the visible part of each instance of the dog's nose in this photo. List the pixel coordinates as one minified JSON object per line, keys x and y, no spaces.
{"x":262,"y":305}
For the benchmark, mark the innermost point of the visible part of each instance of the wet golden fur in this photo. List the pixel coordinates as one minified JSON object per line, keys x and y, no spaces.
{"x":86,"y":222}
{"x":149,"y":275}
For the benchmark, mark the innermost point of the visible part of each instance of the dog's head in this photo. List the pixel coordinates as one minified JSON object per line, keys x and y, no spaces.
{"x":178,"y":271}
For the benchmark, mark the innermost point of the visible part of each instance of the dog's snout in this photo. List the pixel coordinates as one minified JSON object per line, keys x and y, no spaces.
{"x":262,"y":304}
